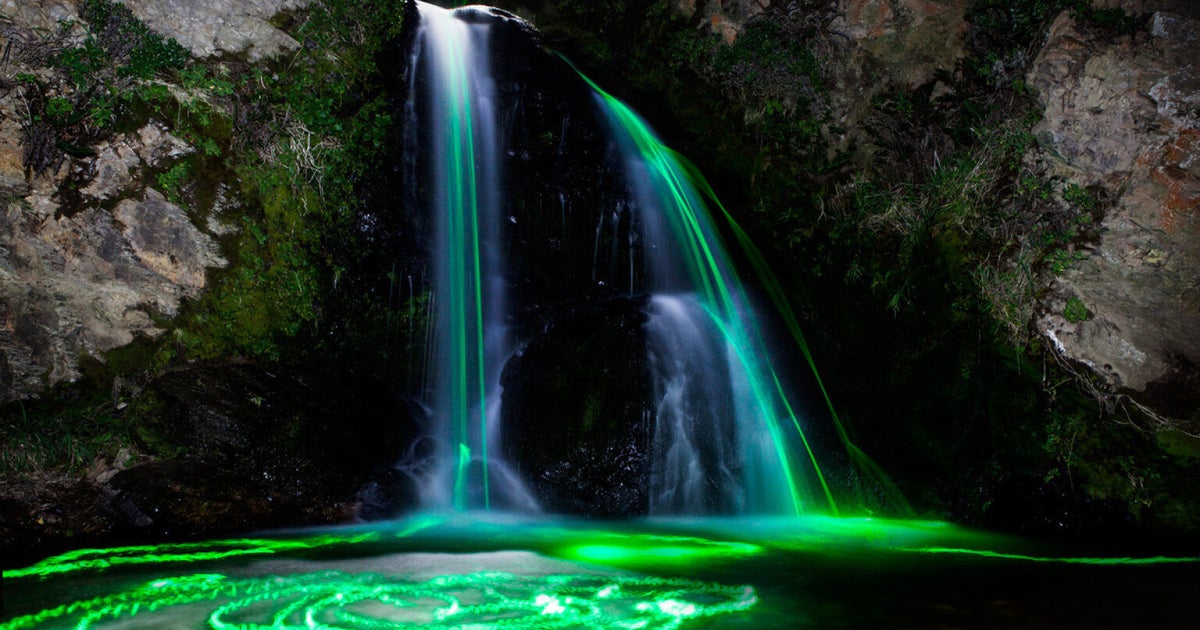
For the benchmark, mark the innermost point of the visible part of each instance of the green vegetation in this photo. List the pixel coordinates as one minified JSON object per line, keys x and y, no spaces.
{"x":61,"y":434}
{"x":314,"y":128}
{"x":1075,"y":311}
{"x":324,"y":121}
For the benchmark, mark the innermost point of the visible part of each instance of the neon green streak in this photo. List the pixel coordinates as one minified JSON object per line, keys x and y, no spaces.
{"x":717,"y":283}
{"x":329,"y":599}
{"x":461,"y":216}
{"x":1058,"y":560}
{"x":103,"y":559}
{"x":334,"y":599}
{"x":775,"y":290}
{"x":460,"y":477}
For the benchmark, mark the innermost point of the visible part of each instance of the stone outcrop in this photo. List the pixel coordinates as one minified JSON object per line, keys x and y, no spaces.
{"x":220,"y":27}
{"x":89,"y":282}
{"x":886,"y":45}
{"x":44,"y":15}
{"x":1123,"y":114}
{"x":120,"y":161}
{"x":89,"y":256}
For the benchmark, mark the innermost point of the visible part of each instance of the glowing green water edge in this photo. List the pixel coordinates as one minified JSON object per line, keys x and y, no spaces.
{"x":464,"y":268}
{"x":339,"y":599}
{"x":335,"y":599}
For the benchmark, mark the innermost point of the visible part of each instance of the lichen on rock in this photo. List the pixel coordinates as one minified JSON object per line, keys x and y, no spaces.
{"x":1121,"y":113}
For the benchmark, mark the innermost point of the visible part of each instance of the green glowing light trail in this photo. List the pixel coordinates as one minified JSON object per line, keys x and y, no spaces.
{"x":460,"y":250}
{"x":771,"y":283}
{"x":1123,"y":561}
{"x":720,"y":290}
{"x":337,"y":599}
{"x":368,"y":601}
{"x":102,"y":559}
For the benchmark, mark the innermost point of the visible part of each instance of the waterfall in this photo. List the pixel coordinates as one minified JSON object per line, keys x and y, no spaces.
{"x":696,"y":464}
{"x":453,"y":96}
{"x":693,"y":280}
{"x":726,"y":436}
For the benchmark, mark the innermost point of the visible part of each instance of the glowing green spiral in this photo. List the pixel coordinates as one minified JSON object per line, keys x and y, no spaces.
{"x":367,"y":601}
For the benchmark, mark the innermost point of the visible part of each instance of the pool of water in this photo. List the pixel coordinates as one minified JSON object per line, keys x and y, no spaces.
{"x":486,"y":571}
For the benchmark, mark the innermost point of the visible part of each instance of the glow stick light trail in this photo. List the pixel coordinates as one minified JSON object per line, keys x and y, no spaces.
{"x":721,"y":293}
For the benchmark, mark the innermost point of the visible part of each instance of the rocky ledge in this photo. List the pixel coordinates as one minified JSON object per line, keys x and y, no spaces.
{"x":1122,"y":116}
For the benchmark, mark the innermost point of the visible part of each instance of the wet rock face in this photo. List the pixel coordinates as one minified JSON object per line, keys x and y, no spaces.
{"x":578,"y":411}
{"x":1123,"y":115}
{"x":290,"y":430}
{"x":87,"y":283}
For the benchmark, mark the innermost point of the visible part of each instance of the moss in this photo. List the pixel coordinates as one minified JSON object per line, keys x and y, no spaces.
{"x":325,"y":118}
{"x":1075,"y":311}
{"x":65,"y":431}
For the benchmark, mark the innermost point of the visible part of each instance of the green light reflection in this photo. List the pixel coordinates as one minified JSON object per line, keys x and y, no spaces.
{"x":103,"y":559}
{"x":635,"y":549}
{"x":335,"y":599}
{"x":375,"y":599}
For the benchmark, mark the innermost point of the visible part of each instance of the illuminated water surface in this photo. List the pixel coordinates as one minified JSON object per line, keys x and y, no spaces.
{"x":488,"y":571}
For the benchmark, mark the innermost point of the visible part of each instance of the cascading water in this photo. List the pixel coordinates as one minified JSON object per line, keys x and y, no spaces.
{"x":726,"y":438}
{"x":457,"y":105}
{"x":704,"y":341}
{"x":696,"y":463}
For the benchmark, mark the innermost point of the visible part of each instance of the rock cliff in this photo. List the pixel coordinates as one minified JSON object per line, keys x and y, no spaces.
{"x":91,"y":254}
{"x":220,"y":28}
{"x":1122,"y":115}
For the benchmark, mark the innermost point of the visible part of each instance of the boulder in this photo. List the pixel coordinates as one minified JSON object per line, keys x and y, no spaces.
{"x":44,"y":15}
{"x":120,"y":161}
{"x":220,"y":27}
{"x":88,"y":282}
{"x":1123,"y":114}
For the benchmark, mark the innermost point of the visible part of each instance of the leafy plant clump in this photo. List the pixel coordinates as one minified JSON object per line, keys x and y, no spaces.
{"x":1075,"y":311}
{"x":93,"y":80}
